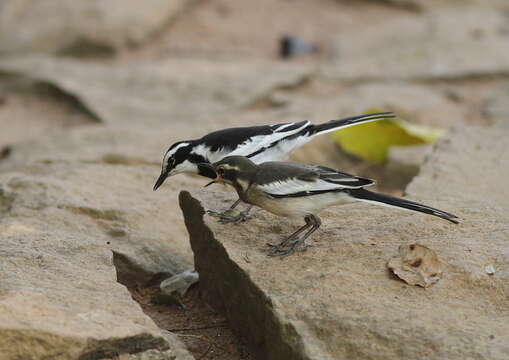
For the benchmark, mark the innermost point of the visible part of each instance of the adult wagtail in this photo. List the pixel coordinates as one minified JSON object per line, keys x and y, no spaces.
{"x":298,"y":190}
{"x":258,"y":143}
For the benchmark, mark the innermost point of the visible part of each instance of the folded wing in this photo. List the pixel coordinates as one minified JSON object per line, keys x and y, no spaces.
{"x":258,"y":143}
{"x":298,"y":180}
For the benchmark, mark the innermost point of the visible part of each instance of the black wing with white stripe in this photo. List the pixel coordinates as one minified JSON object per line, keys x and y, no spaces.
{"x":278,"y":148}
{"x":249,"y":137}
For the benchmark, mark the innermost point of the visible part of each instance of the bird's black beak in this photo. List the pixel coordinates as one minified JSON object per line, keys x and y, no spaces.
{"x":160,"y":180}
{"x":208,"y":170}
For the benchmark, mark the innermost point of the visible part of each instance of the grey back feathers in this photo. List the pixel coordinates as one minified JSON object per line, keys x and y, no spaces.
{"x":291,"y":179}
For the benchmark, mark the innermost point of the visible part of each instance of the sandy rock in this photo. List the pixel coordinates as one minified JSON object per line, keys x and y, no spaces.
{"x":67,"y":238}
{"x":60,"y":299}
{"x":419,"y":46}
{"x":20,"y":114}
{"x":427,"y":4}
{"x":403,"y":164}
{"x":337,"y":300}
{"x":126,"y":217}
{"x":94,"y":26}
{"x":496,"y":106}
{"x":176,"y":351}
{"x":156,"y":93}
{"x":412,"y":102}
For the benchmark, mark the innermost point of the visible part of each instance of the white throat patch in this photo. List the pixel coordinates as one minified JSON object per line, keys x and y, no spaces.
{"x":184,"y":167}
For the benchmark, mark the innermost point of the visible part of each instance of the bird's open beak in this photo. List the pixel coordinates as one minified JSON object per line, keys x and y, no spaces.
{"x":160,"y":180}
{"x":209,"y":167}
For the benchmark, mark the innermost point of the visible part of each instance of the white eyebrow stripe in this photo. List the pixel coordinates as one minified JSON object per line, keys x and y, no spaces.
{"x":172,"y":152}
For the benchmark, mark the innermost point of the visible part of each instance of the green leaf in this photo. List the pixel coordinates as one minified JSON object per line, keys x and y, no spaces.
{"x":371,"y":141}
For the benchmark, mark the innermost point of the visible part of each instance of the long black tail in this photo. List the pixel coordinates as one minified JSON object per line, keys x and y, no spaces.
{"x":346,"y":122}
{"x":382,"y":199}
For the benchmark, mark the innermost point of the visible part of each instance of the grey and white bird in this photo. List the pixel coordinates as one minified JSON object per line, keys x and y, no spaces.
{"x":298,"y":190}
{"x":258,"y":143}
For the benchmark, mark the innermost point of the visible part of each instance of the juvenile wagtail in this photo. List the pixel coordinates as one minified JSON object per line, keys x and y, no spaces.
{"x":298,"y":190}
{"x":258,"y":143}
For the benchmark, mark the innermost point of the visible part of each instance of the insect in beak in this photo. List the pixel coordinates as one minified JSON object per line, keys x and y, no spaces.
{"x":218,"y":178}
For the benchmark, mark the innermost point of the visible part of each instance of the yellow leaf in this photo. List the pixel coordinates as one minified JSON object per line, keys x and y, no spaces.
{"x":371,"y":141}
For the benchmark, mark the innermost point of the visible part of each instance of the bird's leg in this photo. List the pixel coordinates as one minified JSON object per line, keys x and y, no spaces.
{"x":311,"y":220}
{"x":223,"y":212}
{"x":275,"y":249}
{"x":240,"y":217}
{"x":230,"y":215}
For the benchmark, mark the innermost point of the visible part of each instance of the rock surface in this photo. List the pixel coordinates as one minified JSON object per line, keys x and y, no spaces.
{"x":68,"y":26}
{"x":403,"y":163}
{"x":156,"y":93}
{"x":337,"y":300}
{"x":76,"y":204}
{"x":62,"y":233}
{"x":80,"y":204}
{"x":176,"y":351}
{"x":419,"y":46}
{"x":425,"y":4}
{"x":496,"y":106}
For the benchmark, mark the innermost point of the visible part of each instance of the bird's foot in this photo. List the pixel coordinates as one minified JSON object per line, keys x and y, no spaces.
{"x":282,"y":250}
{"x":229,"y":216}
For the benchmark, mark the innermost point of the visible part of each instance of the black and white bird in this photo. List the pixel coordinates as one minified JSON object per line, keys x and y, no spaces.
{"x":298,"y":190}
{"x":258,"y":143}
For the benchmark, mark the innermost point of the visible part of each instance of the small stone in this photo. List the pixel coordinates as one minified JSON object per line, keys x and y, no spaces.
{"x":489,"y":269}
{"x":179,"y":283}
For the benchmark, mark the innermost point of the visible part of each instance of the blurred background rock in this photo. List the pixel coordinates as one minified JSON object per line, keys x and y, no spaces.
{"x":93,"y":92}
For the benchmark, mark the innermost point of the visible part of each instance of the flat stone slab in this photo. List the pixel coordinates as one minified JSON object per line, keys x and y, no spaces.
{"x":75,"y":27}
{"x":425,"y":45}
{"x":337,"y":300}
{"x":65,"y":240}
{"x":154,"y":93}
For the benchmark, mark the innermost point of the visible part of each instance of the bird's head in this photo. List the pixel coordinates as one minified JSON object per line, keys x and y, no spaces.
{"x":177,"y":160}
{"x":232,"y":170}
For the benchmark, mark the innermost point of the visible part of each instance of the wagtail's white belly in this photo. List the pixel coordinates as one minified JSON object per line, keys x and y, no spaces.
{"x":300,"y":206}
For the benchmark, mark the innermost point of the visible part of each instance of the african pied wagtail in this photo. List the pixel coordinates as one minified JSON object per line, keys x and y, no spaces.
{"x":259,"y":143}
{"x":298,"y":190}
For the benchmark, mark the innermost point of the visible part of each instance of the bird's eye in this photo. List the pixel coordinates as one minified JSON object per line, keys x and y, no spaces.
{"x":220,"y":171}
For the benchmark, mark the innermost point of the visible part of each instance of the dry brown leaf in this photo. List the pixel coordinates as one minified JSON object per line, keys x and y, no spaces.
{"x":416,"y":265}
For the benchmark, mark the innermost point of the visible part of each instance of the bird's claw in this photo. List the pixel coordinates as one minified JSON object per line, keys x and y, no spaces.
{"x":282,"y":250}
{"x":234,"y":219}
{"x":229,"y":216}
